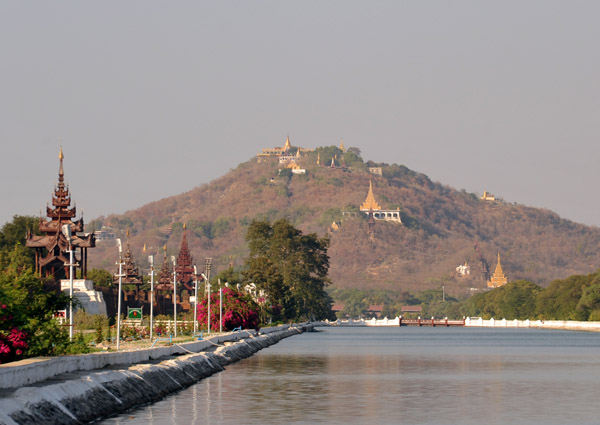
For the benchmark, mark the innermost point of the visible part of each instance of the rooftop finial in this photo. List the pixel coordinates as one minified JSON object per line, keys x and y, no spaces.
{"x":61,"y":172}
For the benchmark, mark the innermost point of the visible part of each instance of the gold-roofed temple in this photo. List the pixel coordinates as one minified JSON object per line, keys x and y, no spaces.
{"x":286,"y":152}
{"x":498,"y":278}
{"x":374,"y":210}
{"x":51,"y":249}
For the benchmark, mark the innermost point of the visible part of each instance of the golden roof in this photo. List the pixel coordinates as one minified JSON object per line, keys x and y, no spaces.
{"x":370,"y":203}
{"x":342,"y":148}
{"x":287,"y":144}
{"x":498,"y":278}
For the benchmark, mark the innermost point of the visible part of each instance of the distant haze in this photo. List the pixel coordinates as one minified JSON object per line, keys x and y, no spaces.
{"x":150,"y":99}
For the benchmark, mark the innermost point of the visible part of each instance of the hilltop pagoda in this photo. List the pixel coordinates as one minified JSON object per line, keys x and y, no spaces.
{"x":52,"y":248}
{"x":498,"y":278}
{"x":185,"y":263}
{"x":284,"y":153}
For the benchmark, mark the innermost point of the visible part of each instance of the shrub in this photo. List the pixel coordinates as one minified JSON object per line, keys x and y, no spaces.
{"x":239,"y":310}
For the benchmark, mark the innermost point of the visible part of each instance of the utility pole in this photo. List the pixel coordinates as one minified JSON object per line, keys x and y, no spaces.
{"x":195,"y":299}
{"x":220,"y":307}
{"x":119,"y":293}
{"x":207,"y":267}
{"x":174,"y":293}
{"x":151,"y":261}
{"x":66,"y":229}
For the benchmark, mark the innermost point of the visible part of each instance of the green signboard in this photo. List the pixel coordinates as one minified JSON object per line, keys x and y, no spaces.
{"x":134,"y":313}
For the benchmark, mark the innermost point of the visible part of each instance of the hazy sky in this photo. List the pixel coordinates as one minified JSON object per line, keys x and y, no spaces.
{"x":152,"y":98}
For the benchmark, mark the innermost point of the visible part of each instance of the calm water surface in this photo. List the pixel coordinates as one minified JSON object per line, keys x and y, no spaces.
{"x":399,"y":376}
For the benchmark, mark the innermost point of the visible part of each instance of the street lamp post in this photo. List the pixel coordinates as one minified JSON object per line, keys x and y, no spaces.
{"x":119,"y":293}
{"x":174,"y":293}
{"x":195,"y":299}
{"x":207,"y":266}
{"x":151,"y":261}
{"x":66,"y":229}
{"x":220,"y":307}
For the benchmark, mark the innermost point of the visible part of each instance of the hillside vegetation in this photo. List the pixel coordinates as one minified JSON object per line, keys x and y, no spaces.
{"x":442,"y":226}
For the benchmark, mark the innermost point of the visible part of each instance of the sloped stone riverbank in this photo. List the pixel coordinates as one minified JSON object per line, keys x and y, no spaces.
{"x":84,"y":396}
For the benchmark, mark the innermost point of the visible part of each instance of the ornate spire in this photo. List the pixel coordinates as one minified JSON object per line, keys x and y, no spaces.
{"x":61,"y":172}
{"x":370,"y":204}
{"x":185,"y":262}
{"x":342,"y":148}
{"x":129,"y":269}
{"x":498,"y":278}
{"x":62,"y":198}
{"x":287,"y":145}
{"x":498,"y":270}
{"x":165,"y":277}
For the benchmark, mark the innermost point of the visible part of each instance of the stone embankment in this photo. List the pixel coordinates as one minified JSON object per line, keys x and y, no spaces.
{"x":77,"y":392}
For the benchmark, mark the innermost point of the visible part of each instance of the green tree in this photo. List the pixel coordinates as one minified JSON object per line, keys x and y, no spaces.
{"x":356,"y":304}
{"x":14,"y":233}
{"x":291,"y":267}
{"x":230,"y":276}
{"x":100,"y":277}
{"x":515,"y":300}
{"x":28,"y":306}
{"x":589,"y":303}
{"x":560,"y":299}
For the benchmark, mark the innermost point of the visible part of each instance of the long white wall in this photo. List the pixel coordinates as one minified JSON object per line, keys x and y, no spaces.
{"x":544,"y":324}
{"x":479,"y":322}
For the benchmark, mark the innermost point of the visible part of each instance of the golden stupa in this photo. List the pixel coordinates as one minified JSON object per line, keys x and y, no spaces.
{"x":370,"y":203}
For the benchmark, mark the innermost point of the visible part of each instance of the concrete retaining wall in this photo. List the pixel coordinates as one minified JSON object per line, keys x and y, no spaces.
{"x":543,"y":324}
{"x":88,"y":396}
{"x":29,"y":371}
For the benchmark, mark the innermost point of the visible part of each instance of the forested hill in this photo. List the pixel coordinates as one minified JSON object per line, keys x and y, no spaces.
{"x":442,"y":227}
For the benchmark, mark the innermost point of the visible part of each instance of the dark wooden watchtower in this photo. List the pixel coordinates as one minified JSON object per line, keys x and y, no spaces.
{"x":51,"y":249}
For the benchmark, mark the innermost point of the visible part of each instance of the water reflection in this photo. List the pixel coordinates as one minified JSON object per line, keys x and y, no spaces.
{"x":399,"y":376}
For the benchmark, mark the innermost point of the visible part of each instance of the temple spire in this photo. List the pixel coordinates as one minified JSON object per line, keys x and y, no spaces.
{"x":287,"y":145}
{"x":370,"y":204}
{"x":498,"y":278}
{"x":498,"y":270}
{"x":185,"y":262}
{"x":342,"y":148}
{"x":61,"y":171}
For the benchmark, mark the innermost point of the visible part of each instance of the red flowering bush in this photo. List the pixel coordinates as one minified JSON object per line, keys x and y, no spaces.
{"x":13,"y":342}
{"x":239,"y":310}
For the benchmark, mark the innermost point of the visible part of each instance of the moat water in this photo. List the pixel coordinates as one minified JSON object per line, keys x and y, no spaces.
{"x":399,"y":376}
